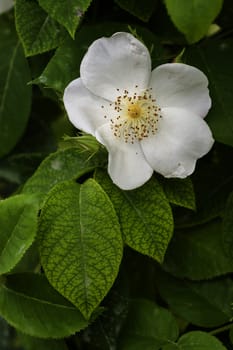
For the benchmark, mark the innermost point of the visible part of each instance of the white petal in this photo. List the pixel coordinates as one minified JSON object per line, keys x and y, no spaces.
{"x":183,"y":86}
{"x":5,"y":5}
{"x":119,"y":62}
{"x":127,"y":166}
{"x":181,"y":139}
{"x":85,"y":110}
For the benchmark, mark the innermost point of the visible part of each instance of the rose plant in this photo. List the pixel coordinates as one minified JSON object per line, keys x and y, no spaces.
{"x":116,"y":179}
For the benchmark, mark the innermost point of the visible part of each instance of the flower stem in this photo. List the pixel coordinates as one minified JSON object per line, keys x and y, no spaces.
{"x":221,"y":329}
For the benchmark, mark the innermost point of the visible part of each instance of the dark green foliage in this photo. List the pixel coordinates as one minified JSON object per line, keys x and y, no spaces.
{"x":85,"y":265}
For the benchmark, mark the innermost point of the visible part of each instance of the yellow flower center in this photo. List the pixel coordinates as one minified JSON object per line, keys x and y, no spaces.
{"x":134,"y":117}
{"x":134,"y":111}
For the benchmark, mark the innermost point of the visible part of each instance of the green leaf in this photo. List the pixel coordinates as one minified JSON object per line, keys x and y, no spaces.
{"x":67,"y":12}
{"x":65,"y":64}
{"x":198,"y":253}
{"x":66,"y":61}
{"x":40,"y":34}
{"x":214,"y":58}
{"x":141,"y":9}
{"x":15,"y":94}
{"x":147,"y":327}
{"x":193,"y":17}
{"x":205,"y":304}
{"x":31,"y":305}
{"x":62,"y":165}
{"x":196,"y":340}
{"x":80,"y":243}
{"x":180,"y":192}
{"x":228,"y":228}
{"x":18,"y":216}
{"x":145,"y":216}
{"x":32,"y":343}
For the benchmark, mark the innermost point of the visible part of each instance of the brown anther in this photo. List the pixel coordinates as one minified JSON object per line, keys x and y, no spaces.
{"x":136,"y":115}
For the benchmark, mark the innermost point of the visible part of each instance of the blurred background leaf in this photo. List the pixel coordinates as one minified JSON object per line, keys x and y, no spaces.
{"x":37,"y":31}
{"x":194,"y":17}
{"x":15,"y":93}
{"x":214,"y":58}
{"x":67,"y":13}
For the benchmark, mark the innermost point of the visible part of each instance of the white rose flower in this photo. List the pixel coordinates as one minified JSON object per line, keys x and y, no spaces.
{"x":147,"y":120}
{"x":6,"y":5}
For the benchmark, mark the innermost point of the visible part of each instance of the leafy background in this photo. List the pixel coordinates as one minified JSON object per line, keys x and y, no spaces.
{"x":154,"y":268}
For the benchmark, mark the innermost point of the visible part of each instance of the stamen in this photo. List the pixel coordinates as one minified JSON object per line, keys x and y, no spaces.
{"x":134,"y":116}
